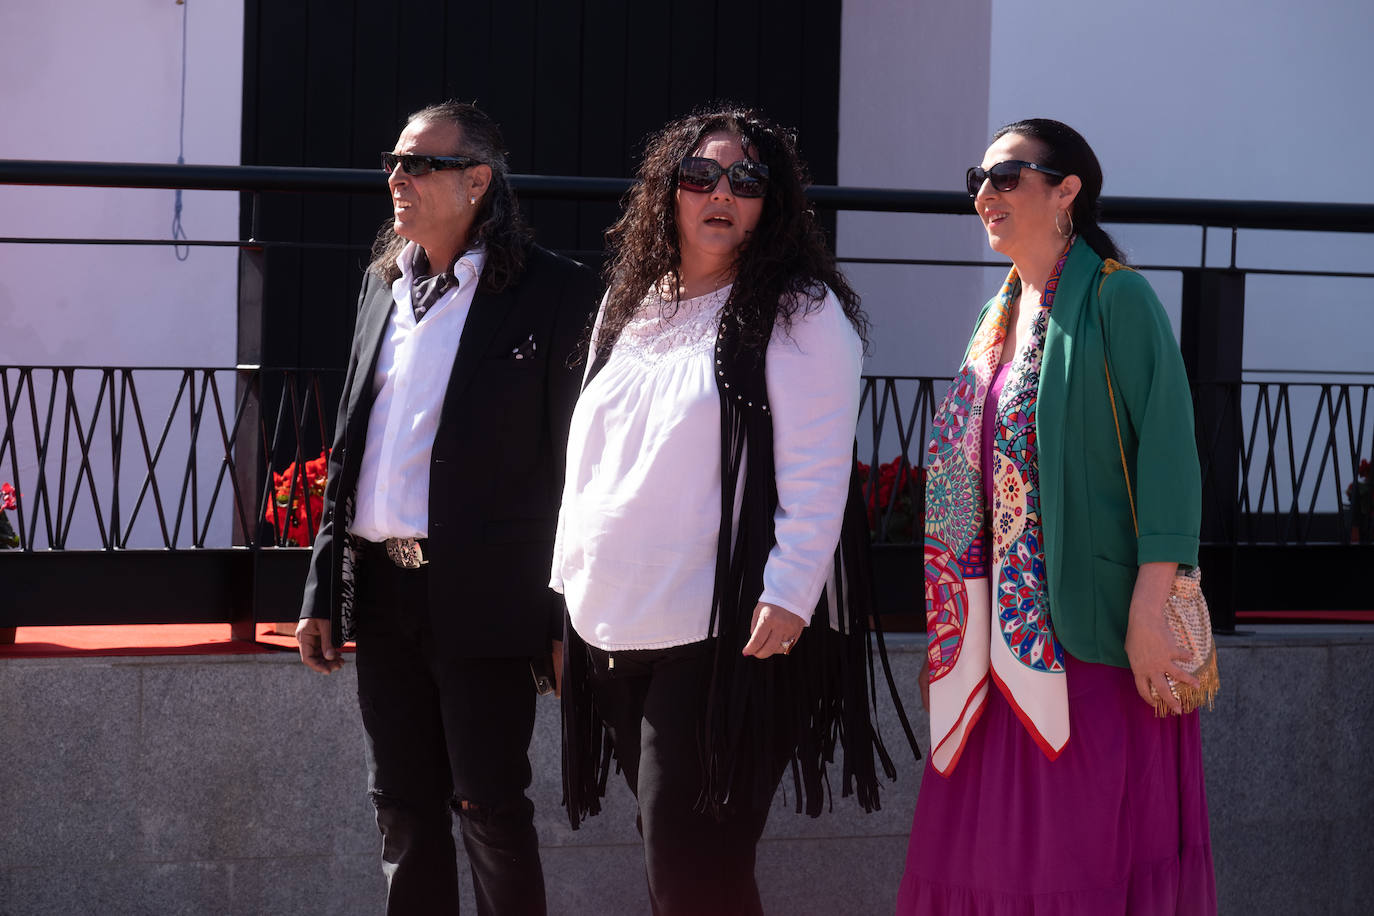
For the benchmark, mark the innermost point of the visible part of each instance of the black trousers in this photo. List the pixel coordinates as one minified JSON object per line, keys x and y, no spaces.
{"x":444,"y":734}
{"x":653,"y":701}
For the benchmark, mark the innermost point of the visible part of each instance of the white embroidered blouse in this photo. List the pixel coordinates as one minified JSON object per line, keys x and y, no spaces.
{"x":637,"y":533}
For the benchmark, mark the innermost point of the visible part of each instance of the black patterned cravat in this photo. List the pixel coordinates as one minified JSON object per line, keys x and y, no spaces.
{"x":426,"y":291}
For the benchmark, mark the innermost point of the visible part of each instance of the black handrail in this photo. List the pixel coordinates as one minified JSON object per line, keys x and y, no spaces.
{"x":1242,"y":214}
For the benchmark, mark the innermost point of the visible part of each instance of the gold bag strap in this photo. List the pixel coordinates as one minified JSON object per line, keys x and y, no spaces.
{"x":1121,"y":448}
{"x":1110,"y":266}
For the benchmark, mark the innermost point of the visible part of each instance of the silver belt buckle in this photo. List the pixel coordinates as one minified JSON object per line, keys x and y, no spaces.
{"x":405,"y":552}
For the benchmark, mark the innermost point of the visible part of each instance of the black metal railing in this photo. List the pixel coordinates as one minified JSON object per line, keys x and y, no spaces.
{"x":157,"y":495}
{"x":1302,"y":446}
{"x":157,"y":458}
{"x":170,"y":461}
{"x":1233,"y":214}
{"x":1292,"y":451}
{"x":169,"y":473}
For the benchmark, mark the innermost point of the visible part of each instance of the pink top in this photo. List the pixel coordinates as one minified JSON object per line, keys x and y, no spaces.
{"x":990,"y":428}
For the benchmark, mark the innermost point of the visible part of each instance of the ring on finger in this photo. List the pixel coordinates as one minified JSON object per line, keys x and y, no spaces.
{"x":787,"y":645}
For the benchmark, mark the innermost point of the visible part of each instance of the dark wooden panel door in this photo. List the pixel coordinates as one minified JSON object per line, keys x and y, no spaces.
{"x":575,"y":84}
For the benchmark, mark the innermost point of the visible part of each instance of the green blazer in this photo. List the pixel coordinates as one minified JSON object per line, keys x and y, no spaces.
{"x":1091,"y":549}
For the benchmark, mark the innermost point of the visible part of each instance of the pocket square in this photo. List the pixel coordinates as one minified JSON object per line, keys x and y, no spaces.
{"x":525,"y":350}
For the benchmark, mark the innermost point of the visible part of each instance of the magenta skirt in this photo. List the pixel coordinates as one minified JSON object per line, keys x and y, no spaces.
{"x":1116,"y":825}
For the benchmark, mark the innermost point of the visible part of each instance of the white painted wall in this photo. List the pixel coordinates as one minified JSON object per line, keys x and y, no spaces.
{"x":913,"y":107}
{"x":1242,"y":99}
{"x":102,"y":81}
{"x":1225,"y":99}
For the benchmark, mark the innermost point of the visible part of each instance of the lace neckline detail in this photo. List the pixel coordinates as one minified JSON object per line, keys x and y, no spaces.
{"x":664,"y":332}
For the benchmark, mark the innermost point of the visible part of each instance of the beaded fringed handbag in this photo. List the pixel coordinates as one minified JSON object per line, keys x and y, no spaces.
{"x":1186,"y":610}
{"x":1191,"y":624}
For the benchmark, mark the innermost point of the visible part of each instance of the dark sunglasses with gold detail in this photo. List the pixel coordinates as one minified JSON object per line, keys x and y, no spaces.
{"x":416,"y":166}
{"x":1005,"y":176}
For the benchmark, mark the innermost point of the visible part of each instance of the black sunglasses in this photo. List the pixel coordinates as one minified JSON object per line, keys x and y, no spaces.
{"x":747,"y":178}
{"x":1004,"y":175}
{"x":422,"y":165}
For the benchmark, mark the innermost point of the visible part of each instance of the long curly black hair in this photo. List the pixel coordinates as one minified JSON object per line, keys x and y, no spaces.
{"x":783,"y":268}
{"x":499,"y":225}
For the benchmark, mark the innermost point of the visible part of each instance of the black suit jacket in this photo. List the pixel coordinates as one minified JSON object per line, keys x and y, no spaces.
{"x":496,"y":470}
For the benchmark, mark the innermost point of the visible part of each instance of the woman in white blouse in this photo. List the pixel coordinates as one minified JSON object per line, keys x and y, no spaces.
{"x":722,"y":384}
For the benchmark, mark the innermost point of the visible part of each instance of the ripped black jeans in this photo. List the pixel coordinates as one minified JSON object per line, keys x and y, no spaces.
{"x":445,"y":735}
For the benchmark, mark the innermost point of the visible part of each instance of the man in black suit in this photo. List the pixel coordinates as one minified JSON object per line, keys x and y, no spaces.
{"x":439,"y":515}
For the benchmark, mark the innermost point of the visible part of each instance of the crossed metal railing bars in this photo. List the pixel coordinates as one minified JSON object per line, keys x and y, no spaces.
{"x":165,"y":449}
{"x":1280,"y":531}
{"x":1300,"y":447}
{"x":180,"y":469}
{"x":163,"y":463}
{"x":1293,"y":484}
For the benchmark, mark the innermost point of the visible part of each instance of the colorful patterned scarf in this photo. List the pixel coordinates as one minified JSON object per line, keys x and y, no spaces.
{"x":987,"y":605}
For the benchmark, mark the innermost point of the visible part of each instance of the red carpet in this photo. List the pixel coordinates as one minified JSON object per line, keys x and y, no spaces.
{"x":1305,"y":616}
{"x":161,"y":639}
{"x":214,"y":638}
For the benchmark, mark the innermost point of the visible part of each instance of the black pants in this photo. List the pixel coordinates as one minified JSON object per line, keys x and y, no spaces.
{"x":653,"y":702}
{"x":444,"y":734}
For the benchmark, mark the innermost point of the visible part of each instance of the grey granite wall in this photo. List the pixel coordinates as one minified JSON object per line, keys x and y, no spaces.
{"x":228,"y":785}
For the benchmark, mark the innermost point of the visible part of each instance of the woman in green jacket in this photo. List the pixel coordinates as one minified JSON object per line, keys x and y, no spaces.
{"x":1051,"y":785}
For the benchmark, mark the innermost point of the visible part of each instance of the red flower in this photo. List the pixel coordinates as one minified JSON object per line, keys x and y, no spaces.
{"x":296,"y":517}
{"x":9,"y":538}
{"x":895,"y":495}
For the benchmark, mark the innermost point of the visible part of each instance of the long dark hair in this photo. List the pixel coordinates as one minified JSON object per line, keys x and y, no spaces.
{"x":785,"y":265}
{"x":499,"y":225}
{"x":1065,"y":150}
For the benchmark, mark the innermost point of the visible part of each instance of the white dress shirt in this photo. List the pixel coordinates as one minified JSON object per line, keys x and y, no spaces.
{"x":413,"y":368}
{"x":637,"y":535}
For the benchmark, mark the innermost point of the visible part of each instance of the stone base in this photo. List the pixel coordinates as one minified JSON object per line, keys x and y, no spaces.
{"x":236,"y":784}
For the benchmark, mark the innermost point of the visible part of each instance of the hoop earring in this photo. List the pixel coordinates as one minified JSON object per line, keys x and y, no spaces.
{"x":1062,"y":233}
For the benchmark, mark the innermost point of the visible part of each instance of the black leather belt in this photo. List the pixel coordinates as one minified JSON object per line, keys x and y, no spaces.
{"x":407,"y":553}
